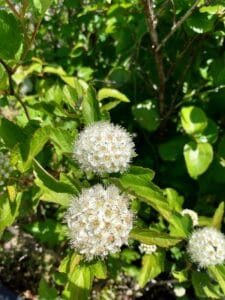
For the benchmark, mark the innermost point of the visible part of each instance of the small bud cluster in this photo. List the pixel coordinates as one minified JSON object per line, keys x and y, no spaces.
{"x":5,"y":168}
{"x":206,"y":247}
{"x":99,"y":221}
{"x":192,"y":214}
{"x":104,"y":148}
{"x":147,"y":249}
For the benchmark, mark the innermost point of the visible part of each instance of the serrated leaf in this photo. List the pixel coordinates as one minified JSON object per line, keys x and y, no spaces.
{"x":193,"y":120}
{"x":198,"y":157}
{"x":152,"y":266}
{"x":152,"y":237}
{"x":218,"y":216}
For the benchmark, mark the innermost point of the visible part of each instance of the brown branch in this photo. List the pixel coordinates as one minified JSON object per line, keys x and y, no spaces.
{"x":9,"y":72}
{"x":177,"y":25}
{"x":31,"y":39}
{"x":152,"y":23}
{"x":12,"y":7}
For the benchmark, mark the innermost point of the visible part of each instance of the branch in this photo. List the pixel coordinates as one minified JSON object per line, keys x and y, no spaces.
{"x":178,"y":24}
{"x":152,"y":22}
{"x":9,"y":72}
{"x":12,"y":7}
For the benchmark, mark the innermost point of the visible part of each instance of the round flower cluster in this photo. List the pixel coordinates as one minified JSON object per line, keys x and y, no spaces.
{"x":206,"y":247}
{"x":104,"y":148}
{"x":192,"y":214}
{"x":5,"y":168}
{"x":147,"y":249}
{"x":99,"y":221}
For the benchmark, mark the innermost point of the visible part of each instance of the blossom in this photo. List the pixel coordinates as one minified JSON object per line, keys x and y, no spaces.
{"x":104,"y":148}
{"x":192,"y":214}
{"x":147,"y":249}
{"x":99,"y":221}
{"x":206,"y":247}
{"x":179,"y":291}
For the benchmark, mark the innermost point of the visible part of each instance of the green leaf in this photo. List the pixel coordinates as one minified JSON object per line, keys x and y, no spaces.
{"x":209,"y":134}
{"x":201,"y":22}
{"x":147,"y":115}
{"x":152,"y":237}
{"x":99,"y":269}
{"x":49,"y":231}
{"x":71,"y":95}
{"x":80,"y":278}
{"x":53,"y":197}
{"x":90,"y":107}
{"x":34,"y":145}
{"x":173,"y":148}
{"x":41,"y":6}
{"x":152,"y":266}
{"x":8,"y":210}
{"x":198,"y":157}
{"x":180,"y":226}
{"x":193,"y":120}
{"x":111,"y":93}
{"x":10,"y":35}
{"x":139,"y":184}
{"x":204,"y":287}
{"x":50,"y":182}
{"x":63,"y":140}
{"x":174,"y":199}
{"x":11,"y":133}
{"x":45,"y":291}
{"x":218,"y":272}
{"x":218,"y":216}
{"x":69,"y":262}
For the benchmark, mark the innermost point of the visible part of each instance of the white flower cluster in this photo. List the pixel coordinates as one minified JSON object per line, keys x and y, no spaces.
{"x":104,"y":148}
{"x":5,"y":168}
{"x":192,"y":214}
{"x":206,"y":247}
{"x":99,"y":221}
{"x":147,"y":249}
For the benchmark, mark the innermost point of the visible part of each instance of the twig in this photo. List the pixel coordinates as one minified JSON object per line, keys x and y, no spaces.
{"x":178,"y":24}
{"x":12,"y":7}
{"x":152,"y":22}
{"x":9,"y":72}
{"x":31,"y":39}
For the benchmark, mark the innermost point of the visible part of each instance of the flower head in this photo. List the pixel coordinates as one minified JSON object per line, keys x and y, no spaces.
{"x":5,"y":168}
{"x":192,"y":214}
{"x":206,"y":247}
{"x":147,"y":249}
{"x":104,"y":148}
{"x":99,"y":221}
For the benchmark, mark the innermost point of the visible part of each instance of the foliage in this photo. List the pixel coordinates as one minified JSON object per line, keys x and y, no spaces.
{"x":156,"y":68}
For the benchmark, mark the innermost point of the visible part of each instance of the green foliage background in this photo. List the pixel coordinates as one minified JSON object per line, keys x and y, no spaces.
{"x":155,"y":67}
